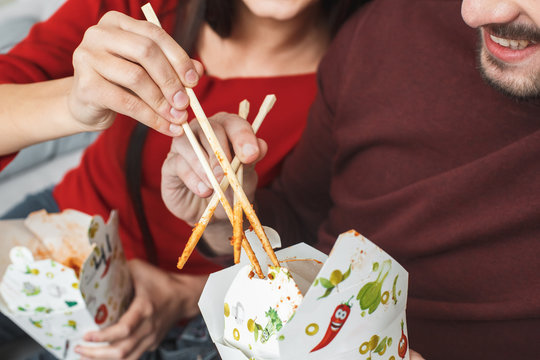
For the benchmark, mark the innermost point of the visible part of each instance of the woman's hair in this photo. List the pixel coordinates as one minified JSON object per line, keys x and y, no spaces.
{"x":219,"y":14}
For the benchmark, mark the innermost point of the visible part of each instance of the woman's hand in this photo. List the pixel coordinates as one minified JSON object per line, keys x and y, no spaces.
{"x":185,"y":188}
{"x":414,"y":355}
{"x":161,"y":300}
{"x":134,"y":68}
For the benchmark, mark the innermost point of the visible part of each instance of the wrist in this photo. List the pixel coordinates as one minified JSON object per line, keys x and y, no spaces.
{"x":216,"y":239}
{"x":187,"y":292}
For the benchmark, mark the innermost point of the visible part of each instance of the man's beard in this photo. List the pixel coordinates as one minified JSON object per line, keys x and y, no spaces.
{"x":522,"y":86}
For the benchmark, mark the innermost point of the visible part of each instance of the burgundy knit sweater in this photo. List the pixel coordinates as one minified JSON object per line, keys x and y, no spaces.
{"x":407,"y":145}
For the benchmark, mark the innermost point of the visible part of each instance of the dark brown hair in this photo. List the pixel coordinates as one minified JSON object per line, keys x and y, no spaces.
{"x":219,"y":14}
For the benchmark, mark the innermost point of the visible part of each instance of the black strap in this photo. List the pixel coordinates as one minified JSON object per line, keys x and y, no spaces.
{"x":134,"y":181}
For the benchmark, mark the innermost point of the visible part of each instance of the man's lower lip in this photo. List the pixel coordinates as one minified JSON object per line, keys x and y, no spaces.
{"x":506,"y":54}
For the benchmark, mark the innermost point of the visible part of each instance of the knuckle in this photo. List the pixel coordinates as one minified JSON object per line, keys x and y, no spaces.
{"x":96,"y":32}
{"x":146,"y":48}
{"x":78,"y":57}
{"x":171,"y":82}
{"x":154,"y":121}
{"x":135,"y":75}
{"x":220,"y":116}
{"x":156,"y":32}
{"x":109,"y":16}
{"x":124,"y":330}
{"x":157,"y":101}
{"x":130,"y":104}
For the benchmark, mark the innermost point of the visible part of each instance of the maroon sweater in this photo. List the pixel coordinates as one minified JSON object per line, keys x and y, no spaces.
{"x":407,"y":145}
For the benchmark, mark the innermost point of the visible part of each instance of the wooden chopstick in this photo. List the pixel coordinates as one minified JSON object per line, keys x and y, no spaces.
{"x":238,"y":230}
{"x":265,"y":108}
{"x":151,"y":16}
{"x":230,"y":174}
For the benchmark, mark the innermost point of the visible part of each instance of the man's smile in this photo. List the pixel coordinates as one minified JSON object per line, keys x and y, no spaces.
{"x":509,"y":50}
{"x":512,"y":44}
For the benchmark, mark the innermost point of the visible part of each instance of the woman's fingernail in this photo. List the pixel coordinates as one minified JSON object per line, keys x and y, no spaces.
{"x":202,"y":188}
{"x":192,"y":76}
{"x":249,"y":150}
{"x":77,"y":349}
{"x":175,"y":129}
{"x":180,"y":100}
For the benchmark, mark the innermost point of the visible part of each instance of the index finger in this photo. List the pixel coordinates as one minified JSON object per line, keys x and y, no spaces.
{"x":186,"y":71}
{"x":178,"y":58}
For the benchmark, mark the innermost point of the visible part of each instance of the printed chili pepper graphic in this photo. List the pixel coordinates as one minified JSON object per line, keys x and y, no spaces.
{"x":340,"y":315}
{"x":402,"y":346}
{"x":107,"y":265}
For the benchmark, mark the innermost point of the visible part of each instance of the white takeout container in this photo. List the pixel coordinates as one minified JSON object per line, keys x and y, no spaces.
{"x":46,"y":298}
{"x":353,"y":307}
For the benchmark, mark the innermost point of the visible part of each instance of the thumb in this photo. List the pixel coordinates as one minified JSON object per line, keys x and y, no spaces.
{"x":250,"y":175}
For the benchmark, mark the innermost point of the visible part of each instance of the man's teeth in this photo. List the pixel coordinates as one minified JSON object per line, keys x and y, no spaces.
{"x":512,"y":44}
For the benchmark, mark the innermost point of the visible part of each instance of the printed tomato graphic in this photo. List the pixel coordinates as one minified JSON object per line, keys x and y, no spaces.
{"x":402,"y":346}
{"x":340,"y":315}
{"x":101,"y":314}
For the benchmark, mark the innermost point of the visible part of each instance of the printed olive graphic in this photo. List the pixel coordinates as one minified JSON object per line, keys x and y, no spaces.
{"x":251,"y":325}
{"x":336,"y":277}
{"x":226,"y":310}
{"x":312,"y":329}
{"x":364,"y":348}
{"x":384,"y":297}
{"x":373,"y":342}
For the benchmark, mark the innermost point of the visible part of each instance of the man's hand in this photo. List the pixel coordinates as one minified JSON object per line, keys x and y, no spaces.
{"x":161,"y":300}
{"x":414,"y":355}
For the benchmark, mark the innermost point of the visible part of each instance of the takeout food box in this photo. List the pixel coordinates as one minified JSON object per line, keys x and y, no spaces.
{"x":353,"y":304}
{"x":68,"y":275}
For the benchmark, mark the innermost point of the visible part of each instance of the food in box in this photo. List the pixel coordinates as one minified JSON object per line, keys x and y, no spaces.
{"x":352,"y":305}
{"x":78,"y":282}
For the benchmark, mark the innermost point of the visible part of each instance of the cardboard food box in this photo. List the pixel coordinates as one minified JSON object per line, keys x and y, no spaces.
{"x":352,"y":304}
{"x":66,"y":275}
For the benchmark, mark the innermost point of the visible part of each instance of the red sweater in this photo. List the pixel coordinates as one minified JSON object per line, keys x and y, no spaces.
{"x":407,"y":145}
{"x":98,"y":185}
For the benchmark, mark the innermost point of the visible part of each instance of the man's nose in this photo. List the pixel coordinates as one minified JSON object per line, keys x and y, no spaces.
{"x":478,"y":13}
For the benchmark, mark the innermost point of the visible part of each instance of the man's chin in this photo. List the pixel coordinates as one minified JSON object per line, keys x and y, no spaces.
{"x":517,"y":83}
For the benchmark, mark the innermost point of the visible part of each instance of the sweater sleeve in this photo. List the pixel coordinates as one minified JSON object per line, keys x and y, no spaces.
{"x":5,"y":160}
{"x":298,"y":200}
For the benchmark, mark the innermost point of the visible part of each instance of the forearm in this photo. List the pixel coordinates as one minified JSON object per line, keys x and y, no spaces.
{"x":33,"y":113}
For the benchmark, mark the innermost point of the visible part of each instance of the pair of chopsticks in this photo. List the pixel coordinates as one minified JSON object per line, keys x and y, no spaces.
{"x":241,"y":199}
